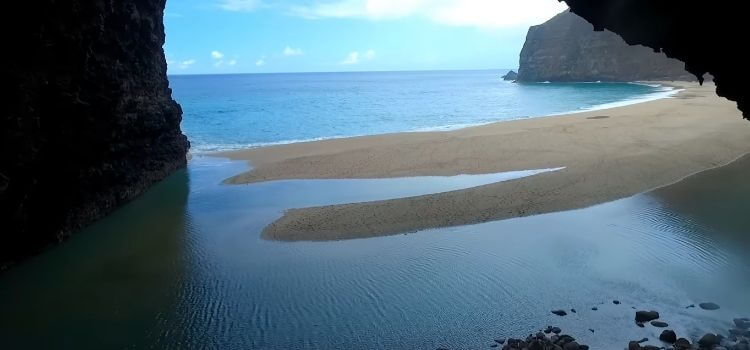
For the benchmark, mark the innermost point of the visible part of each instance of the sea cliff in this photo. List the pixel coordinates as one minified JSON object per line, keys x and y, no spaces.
{"x":88,"y":121}
{"x":566,"y":48}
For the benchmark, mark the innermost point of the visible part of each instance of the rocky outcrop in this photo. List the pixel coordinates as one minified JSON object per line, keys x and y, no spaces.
{"x":566,"y":48}
{"x":708,"y":37}
{"x":510,"y":76}
{"x":88,"y":121}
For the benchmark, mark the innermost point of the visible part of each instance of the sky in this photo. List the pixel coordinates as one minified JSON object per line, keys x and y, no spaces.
{"x":267,"y":36}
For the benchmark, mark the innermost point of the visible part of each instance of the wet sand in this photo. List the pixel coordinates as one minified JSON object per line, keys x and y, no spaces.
{"x":608,"y":154}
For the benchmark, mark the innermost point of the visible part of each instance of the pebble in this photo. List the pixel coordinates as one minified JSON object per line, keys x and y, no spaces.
{"x":709,"y":306}
{"x":659,"y":324}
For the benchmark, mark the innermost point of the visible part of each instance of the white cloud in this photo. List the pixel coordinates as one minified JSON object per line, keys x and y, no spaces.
{"x":351,"y":58}
{"x":355,"y":57}
{"x":232,"y":62}
{"x":260,"y":62}
{"x":186,"y":64}
{"x":240,"y":5}
{"x":289,"y":51}
{"x":475,"y":13}
{"x":217,"y":55}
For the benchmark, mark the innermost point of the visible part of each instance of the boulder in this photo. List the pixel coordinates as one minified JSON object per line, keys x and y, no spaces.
{"x":682,"y":343}
{"x":709,"y":306}
{"x":709,"y":340}
{"x":646,"y":316}
{"x":742,"y":323}
{"x":668,"y":336}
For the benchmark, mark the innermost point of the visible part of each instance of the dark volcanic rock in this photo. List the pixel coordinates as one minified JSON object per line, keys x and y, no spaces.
{"x":566,"y":48}
{"x":510,"y":76}
{"x":709,"y":306}
{"x":88,"y":120}
{"x":708,"y":340}
{"x":682,"y":343}
{"x":559,"y":312}
{"x":659,"y":324}
{"x":668,"y":336}
{"x":645,"y":316}
{"x":742,"y":323}
{"x":712,"y":47}
{"x":616,"y":302}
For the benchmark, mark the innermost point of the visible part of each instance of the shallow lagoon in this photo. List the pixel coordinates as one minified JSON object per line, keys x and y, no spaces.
{"x":185,"y":266}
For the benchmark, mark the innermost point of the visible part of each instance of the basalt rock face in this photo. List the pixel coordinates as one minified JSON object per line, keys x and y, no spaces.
{"x":566,"y":48}
{"x":708,"y":37}
{"x":88,"y":121}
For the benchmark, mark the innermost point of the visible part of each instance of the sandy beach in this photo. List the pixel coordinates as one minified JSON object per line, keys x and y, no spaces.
{"x":607,"y":154}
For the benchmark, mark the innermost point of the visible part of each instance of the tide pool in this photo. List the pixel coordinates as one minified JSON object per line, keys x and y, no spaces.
{"x":184,"y":267}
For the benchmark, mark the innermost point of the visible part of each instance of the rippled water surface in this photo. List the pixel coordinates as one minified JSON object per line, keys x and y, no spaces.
{"x":184,"y":266}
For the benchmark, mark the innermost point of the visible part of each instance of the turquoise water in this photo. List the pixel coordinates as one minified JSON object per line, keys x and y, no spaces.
{"x":238,"y":111}
{"x":184,"y":267}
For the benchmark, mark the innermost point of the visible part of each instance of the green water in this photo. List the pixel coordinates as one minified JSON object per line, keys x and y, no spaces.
{"x":184,"y":267}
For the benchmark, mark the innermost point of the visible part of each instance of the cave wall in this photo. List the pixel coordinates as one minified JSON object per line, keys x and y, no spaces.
{"x":88,"y":121}
{"x":709,"y":38}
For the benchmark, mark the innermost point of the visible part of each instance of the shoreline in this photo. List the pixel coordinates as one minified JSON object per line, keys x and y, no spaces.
{"x":608,"y":154}
{"x":654,"y":96}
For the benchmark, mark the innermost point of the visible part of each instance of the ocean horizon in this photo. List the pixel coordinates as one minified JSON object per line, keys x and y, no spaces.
{"x":236,"y":111}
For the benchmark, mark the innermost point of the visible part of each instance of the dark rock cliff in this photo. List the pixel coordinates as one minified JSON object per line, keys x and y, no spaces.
{"x":708,"y":37}
{"x":566,"y":48}
{"x":88,"y":121}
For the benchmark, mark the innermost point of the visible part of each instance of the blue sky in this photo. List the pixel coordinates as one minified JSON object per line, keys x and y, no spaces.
{"x":264,"y":36}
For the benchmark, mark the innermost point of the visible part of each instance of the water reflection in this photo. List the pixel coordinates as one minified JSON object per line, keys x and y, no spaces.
{"x":174,"y":270}
{"x":111,"y":285}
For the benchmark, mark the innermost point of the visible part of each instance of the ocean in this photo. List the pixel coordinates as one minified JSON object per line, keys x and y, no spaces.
{"x":224,"y":112}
